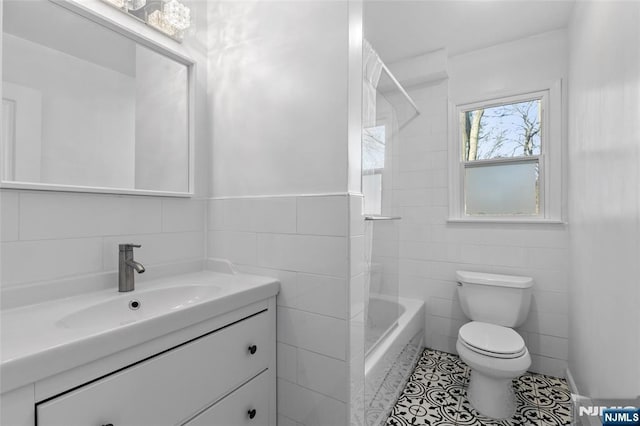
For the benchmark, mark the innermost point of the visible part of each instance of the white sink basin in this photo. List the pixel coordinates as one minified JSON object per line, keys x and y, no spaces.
{"x":135,"y":306}
{"x":41,"y":340}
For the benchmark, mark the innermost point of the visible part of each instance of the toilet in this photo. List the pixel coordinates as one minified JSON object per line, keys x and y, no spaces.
{"x":495,"y":353}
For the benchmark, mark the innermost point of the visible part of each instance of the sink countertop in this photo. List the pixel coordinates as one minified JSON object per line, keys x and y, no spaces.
{"x":34,"y":344}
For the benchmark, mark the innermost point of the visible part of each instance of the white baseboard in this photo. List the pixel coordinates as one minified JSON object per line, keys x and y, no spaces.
{"x":571,"y":382}
{"x":577,"y":396}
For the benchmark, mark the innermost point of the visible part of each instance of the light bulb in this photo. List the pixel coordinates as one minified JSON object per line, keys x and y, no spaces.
{"x":156,"y":20}
{"x":177,"y":14}
{"x":136,"y":4}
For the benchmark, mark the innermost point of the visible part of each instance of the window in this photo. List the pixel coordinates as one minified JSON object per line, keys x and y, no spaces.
{"x":373,"y":155}
{"x":506,"y":158}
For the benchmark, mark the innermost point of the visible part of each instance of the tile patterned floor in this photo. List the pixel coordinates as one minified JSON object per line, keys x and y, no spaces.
{"x":436,"y":395}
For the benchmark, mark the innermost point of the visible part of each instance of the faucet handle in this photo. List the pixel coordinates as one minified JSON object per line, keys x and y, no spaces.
{"x":128,"y":246}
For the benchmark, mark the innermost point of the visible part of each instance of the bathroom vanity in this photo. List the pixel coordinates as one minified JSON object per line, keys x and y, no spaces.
{"x":199,"y":349}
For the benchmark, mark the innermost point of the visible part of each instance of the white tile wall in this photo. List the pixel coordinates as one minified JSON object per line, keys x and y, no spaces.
{"x":322,"y":374}
{"x":29,"y":261}
{"x":321,"y":294}
{"x":156,"y":249}
{"x":178,"y":216}
{"x":313,"y":332}
{"x":356,"y":312}
{"x":356,"y":255}
{"x":50,"y":236}
{"x":552,"y":347}
{"x":323,"y":215}
{"x":356,"y":222}
{"x":305,"y":243}
{"x":9,"y":215}
{"x":310,"y":408}
{"x":237,"y":247}
{"x":308,"y":253}
{"x":55,"y":215}
{"x":287,"y":362}
{"x":356,"y":296}
{"x":285,"y":421}
{"x":268,"y":214}
{"x":431,"y":250}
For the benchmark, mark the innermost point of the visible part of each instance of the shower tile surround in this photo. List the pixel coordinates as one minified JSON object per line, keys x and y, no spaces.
{"x":436,"y":395}
{"x":431,"y":249}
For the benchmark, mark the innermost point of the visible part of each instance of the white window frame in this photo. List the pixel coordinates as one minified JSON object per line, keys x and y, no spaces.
{"x":549,"y":159}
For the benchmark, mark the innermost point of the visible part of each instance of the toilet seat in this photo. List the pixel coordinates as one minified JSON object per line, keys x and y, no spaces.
{"x":491,"y":340}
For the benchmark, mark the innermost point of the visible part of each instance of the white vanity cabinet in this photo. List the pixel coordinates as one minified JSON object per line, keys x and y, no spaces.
{"x":206,"y":356}
{"x":171,"y":387}
{"x":220,"y":376}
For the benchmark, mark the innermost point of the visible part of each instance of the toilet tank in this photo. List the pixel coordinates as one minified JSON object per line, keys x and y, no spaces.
{"x":496,"y":299}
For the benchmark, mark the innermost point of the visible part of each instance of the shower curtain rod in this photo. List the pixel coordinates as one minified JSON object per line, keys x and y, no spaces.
{"x":399,"y":86}
{"x":395,"y":81}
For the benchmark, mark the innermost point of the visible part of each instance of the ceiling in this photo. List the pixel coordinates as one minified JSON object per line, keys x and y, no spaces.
{"x":400,"y":29}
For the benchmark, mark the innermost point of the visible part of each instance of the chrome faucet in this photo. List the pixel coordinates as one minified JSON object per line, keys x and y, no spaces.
{"x":126,"y":266}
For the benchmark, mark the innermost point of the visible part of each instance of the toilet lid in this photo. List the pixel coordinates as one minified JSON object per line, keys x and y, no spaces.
{"x":491,"y":339}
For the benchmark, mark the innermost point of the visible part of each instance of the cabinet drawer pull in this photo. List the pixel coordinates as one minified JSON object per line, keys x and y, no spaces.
{"x":108,"y":424}
{"x":252,"y":350}
{"x":251,"y":413}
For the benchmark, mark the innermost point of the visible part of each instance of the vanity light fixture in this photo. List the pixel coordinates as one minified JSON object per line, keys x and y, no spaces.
{"x":171,"y":17}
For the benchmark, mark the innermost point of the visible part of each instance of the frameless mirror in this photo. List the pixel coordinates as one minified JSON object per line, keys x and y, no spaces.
{"x":87,"y":107}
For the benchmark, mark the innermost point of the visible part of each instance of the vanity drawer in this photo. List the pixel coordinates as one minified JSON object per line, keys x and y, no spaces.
{"x":170,"y":387}
{"x":246,"y":406}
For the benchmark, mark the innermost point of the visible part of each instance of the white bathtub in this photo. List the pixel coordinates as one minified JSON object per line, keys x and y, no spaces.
{"x":391,"y":359}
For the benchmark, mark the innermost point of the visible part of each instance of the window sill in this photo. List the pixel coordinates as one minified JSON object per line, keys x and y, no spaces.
{"x":524,"y":221}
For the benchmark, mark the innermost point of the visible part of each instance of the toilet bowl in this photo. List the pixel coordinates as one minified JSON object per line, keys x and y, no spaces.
{"x":495,"y":353}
